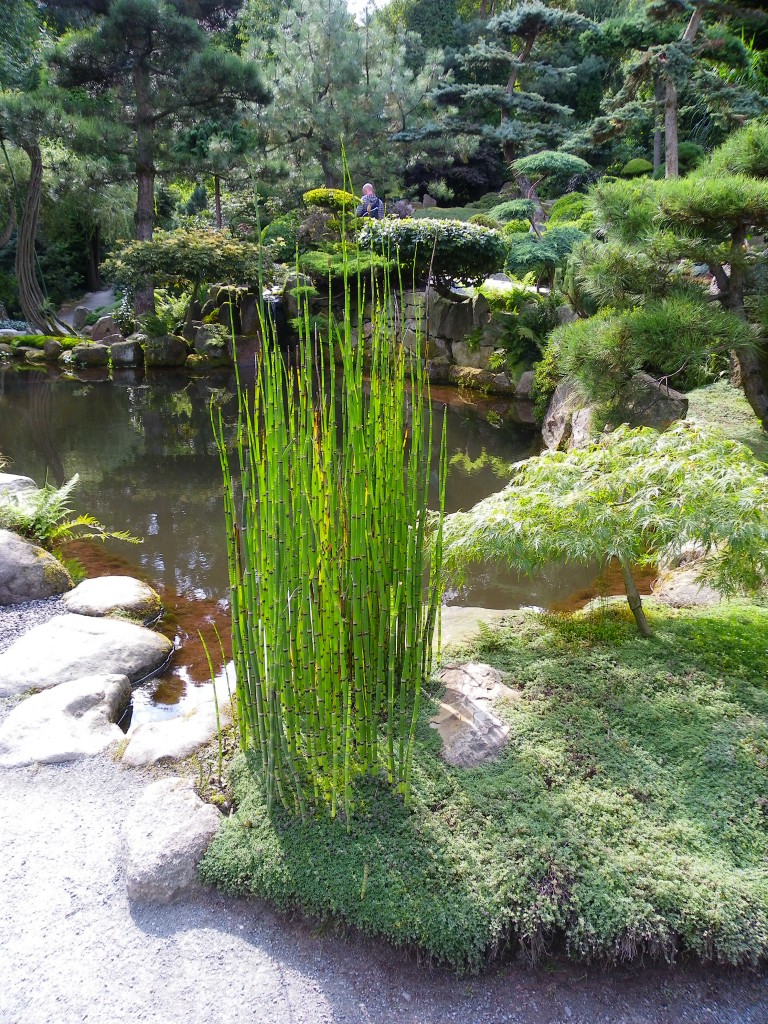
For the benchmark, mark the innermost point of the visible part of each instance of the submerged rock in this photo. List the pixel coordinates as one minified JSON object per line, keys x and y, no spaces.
{"x":72,"y":646}
{"x":28,"y":572}
{"x":115,"y":595}
{"x":165,"y":836}
{"x":71,"y":721}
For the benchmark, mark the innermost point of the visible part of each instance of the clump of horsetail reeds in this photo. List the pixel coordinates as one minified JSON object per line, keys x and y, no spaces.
{"x":334,"y":576}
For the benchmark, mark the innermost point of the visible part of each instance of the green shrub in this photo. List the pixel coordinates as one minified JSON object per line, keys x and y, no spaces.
{"x":449,"y":250}
{"x":674,"y":336}
{"x":529,"y":254}
{"x":636,"y":167}
{"x":516,"y":227}
{"x":484,"y":220}
{"x":321,"y":265}
{"x":281,"y":235}
{"x":568,"y":208}
{"x":485,"y":203}
{"x":513,"y":209}
{"x":334,"y":199}
{"x":444,"y":213}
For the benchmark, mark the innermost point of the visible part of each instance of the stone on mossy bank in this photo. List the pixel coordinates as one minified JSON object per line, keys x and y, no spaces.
{"x":71,"y":721}
{"x":165,"y":353}
{"x":28,"y":572}
{"x":120,"y":596}
{"x":72,"y":646}
{"x":90,"y":354}
{"x":619,"y":822}
{"x":165,"y":836}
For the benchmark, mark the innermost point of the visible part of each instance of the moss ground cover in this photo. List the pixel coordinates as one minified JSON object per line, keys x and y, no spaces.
{"x":628,"y":815}
{"x":726,"y":406}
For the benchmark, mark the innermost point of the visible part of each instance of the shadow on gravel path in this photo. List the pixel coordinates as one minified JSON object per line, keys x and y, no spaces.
{"x":75,"y":950}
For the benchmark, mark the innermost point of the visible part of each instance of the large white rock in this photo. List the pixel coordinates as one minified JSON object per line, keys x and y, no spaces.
{"x":27,"y":572}
{"x":459,"y":624}
{"x":11,"y":484}
{"x":114,"y":595}
{"x":165,"y":835}
{"x":72,"y":646}
{"x":683,"y":589}
{"x":175,"y":738}
{"x":71,"y":721}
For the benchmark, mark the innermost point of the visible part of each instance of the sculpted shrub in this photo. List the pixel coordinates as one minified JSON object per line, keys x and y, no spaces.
{"x":446,"y":250}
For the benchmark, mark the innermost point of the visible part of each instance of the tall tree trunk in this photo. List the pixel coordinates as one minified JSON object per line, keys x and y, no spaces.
{"x":217,"y":200}
{"x":5,"y":234}
{"x":92,"y":276}
{"x":670,"y":130}
{"x":329,"y":175}
{"x":671,"y":103}
{"x":658,"y":88}
{"x":144,"y":300}
{"x":508,"y":147}
{"x":751,"y":365}
{"x":33,"y":301}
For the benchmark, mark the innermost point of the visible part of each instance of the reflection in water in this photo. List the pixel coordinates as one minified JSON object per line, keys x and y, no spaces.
{"x":148,"y":464}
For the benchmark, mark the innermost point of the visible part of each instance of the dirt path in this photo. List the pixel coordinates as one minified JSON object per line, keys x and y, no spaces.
{"x":74,"y":950}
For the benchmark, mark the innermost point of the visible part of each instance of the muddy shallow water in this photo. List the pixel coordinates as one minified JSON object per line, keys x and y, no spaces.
{"x":147,"y":462}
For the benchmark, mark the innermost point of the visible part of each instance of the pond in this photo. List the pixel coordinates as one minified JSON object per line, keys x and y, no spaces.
{"x":148,"y":464}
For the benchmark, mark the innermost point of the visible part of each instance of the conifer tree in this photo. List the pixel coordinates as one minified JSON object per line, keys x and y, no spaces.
{"x":497,"y":94}
{"x":156,"y":66}
{"x":335,"y":82}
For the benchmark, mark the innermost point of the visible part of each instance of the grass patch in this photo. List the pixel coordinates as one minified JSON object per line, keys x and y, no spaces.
{"x":726,"y":406}
{"x":627,"y":816}
{"x":38,"y":340}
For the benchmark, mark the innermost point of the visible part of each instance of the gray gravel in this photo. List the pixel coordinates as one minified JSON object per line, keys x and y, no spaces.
{"x":75,"y":950}
{"x":18,"y":619}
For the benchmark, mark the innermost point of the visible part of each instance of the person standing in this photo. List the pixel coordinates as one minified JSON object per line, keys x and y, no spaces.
{"x":370,"y":204}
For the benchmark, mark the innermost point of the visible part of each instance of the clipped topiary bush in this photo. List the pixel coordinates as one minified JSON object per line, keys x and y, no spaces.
{"x":516,"y":227}
{"x":529,"y":254}
{"x":634,"y":168}
{"x":335,"y":199}
{"x":569,"y":207}
{"x":444,"y":213}
{"x":448,"y":250}
{"x":484,"y":220}
{"x":513,"y":209}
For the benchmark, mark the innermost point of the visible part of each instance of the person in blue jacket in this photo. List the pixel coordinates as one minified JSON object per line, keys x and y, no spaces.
{"x":370,"y":204}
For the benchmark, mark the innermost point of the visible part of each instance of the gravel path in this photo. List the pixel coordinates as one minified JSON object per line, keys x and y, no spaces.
{"x":74,"y":950}
{"x":18,"y":619}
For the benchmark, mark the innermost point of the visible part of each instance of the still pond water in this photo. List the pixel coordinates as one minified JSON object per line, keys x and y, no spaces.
{"x":148,"y":464}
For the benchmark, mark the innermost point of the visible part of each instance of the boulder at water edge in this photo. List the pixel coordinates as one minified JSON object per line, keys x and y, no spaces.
{"x":27,"y":572}
{"x":72,"y":646}
{"x":69,"y":722}
{"x":16,"y":486}
{"x":165,"y":836}
{"x":176,"y":738}
{"x":114,"y":595}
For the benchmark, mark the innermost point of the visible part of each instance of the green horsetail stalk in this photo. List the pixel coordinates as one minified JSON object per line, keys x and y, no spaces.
{"x":334,"y":559}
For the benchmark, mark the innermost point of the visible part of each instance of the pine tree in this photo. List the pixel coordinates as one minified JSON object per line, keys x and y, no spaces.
{"x":156,"y":66}
{"x":500,"y":77}
{"x":335,"y":82}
